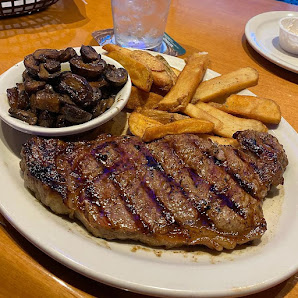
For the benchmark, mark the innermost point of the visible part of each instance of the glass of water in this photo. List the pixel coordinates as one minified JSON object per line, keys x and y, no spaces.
{"x":140,"y":23}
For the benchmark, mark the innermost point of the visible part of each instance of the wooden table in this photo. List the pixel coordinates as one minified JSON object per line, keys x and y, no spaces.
{"x":214,"y":26}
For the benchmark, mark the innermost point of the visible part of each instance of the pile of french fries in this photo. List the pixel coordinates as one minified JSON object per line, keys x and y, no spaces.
{"x":167,"y":101}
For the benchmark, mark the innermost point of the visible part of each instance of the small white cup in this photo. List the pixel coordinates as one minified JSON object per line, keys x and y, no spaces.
{"x":288,"y":34}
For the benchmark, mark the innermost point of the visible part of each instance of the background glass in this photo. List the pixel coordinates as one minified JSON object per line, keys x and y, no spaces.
{"x":140,"y":23}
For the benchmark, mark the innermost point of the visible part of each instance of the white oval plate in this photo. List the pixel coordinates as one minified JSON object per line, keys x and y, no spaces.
{"x":196,"y":272}
{"x":14,"y":75}
{"x":262,"y":33}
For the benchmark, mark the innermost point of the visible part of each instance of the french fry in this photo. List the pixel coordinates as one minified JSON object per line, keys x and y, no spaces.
{"x":140,"y":98}
{"x":138,"y":123}
{"x":168,"y":68}
{"x":160,"y":75}
{"x":147,"y":59}
{"x":226,"y":84}
{"x":220,"y":140}
{"x":140,"y":75}
{"x":195,"y":112}
{"x":161,"y":78}
{"x":189,"y":79}
{"x":176,"y":71}
{"x":259,"y":108}
{"x":161,"y":116}
{"x":231,"y":123}
{"x":190,"y":125}
{"x":113,"y":47}
{"x":143,"y":57}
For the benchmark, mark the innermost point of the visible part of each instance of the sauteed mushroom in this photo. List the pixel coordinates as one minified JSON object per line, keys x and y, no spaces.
{"x":46,"y":119}
{"x":51,"y":98}
{"x":43,"y":54}
{"x":101,"y":82}
{"x":61,"y":121}
{"x":26,"y":116}
{"x":31,"y":64}
{"x":67,"y":54}
{"x":45,"y":75}
{"x":90,"y":71}
{"x":116,"y":76}
{"x":102,"y":106}
{"x":32,"y":86}
{"x":17,"y":97}
{"x":31,"y":83}
{"x":74,"y":114}
{"x":52,"y":65}
{"x":46,"y":100}
{"x":89,"y":54}
{"x":78,"y":88}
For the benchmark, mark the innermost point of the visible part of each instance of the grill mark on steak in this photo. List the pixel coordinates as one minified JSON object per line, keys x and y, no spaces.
{"x":244,"y":177}
{"x":140,"y":223}
{"x":220,"y":182}
{"x":129,"y":176}
{"x":91,"y":189}
{"x":244,"y":207}
{"x":183,"y":176}
{"x":168,"y":216}
{"x":167,"y":192}
{"x":110,"y":171}
{"x":45,"y":171}
{"x":265,"y":154}
{"x":248,"y":179}
{"x":228,"y":201}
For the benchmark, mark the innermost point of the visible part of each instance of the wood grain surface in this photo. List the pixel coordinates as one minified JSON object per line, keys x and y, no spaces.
{"x":214,"y":26}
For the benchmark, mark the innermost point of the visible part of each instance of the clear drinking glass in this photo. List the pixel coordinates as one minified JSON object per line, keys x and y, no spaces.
{"x":140,"y":23}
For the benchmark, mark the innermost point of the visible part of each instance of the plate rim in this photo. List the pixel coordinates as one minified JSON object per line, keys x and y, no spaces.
{"x":250,"y":29}
{"x":146,"y":289}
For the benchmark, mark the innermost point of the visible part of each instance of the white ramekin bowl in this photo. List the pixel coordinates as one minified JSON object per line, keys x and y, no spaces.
{"x":288,"y":34}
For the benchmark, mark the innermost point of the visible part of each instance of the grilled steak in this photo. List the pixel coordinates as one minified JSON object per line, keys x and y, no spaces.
{"x":179,"y":190}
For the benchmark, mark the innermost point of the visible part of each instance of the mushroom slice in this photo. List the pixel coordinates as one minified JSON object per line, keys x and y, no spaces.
{"x":74,"y":114}
{"x":31,"y":64}
{"x":61,"y":121}
{"x":102,"y":106}
{"x":90,"y":71}
{"x":65,"y":99}
{"x":31,"y":85}
{"x":32,"y":101}
{"x":44,"y":75}
{"x":117,"y":77}
{"x":26,"y":75}
{"x":18,"y":97}
{"x":46,"y":119}
{"x":12,"y":96}
{"x":26,"y":116}
{"x":89,"y":54}
{"x":43,"y":54}
{"x":77,"y":88}
{"x":101,"y":82}
{"x":67,"y":54}
{"x":52,"y":65}
{"x":97,"y":95}
{"x":23,"y":98}
{"x":46,"y":100}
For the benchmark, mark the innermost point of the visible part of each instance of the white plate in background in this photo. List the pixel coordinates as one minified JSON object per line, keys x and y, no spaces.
{"x":196,"y":272}
{"x":262,"y":33}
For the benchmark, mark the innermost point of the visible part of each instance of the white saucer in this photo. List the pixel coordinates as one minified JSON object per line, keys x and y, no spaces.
{"x":262,"y":33}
